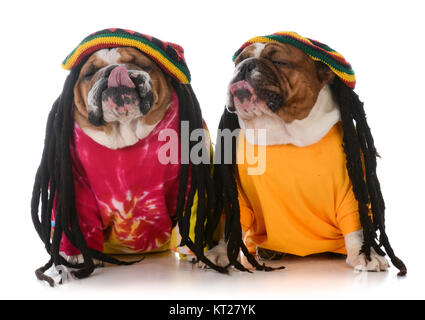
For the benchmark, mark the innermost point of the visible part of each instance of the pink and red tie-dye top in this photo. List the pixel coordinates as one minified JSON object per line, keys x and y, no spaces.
{"x":125,"y":198}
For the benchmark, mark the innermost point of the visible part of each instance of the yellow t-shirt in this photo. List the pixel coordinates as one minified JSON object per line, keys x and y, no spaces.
{"x":303,"y":203}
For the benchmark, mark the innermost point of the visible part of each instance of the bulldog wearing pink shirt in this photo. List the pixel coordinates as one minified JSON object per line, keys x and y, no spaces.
{"x":104,"y":185}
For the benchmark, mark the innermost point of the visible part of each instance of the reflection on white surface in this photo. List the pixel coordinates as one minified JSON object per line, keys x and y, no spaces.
{"x":163,"y":276}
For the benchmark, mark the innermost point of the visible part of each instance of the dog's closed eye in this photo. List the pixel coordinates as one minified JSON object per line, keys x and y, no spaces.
{"x":142,"y":66}
{"x":90,"y":73}
{"x":281,"y":63}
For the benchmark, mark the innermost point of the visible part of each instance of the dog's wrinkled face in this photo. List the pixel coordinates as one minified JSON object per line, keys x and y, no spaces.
{"x":120,"y":85}
{"x":276,"y":79}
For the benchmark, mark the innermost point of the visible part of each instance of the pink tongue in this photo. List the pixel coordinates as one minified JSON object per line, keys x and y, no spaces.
{"x":119,"y":77}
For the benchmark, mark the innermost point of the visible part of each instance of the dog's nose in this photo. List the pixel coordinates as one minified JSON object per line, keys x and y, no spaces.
{"x":247,"y":67}
{"x":119,"y":78}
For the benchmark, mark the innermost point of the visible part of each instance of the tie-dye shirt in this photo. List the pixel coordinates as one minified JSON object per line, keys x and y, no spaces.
{"x":125,"y":198}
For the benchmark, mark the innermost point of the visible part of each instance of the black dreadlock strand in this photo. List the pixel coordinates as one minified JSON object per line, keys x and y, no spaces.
{"x":54,"y":180}
{"x":358,"y":146}
{"x":200,"y":183}
{"x":227,"y":199}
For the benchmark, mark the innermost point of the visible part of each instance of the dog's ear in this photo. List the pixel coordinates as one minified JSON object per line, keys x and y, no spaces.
{"x":324,"y":73}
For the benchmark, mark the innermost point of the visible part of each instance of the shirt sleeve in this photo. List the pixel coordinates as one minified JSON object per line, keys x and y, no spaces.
{"x":348,"y":213}
{"x":88,"y":217}
{"x":246,"y":213}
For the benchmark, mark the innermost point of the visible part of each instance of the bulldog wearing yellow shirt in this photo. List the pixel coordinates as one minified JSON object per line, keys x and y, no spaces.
{"x":293,"y":99}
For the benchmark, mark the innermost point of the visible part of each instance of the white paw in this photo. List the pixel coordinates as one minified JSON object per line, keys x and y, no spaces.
{"x":360,"y":263}
{"x":75,"y":259}
{"x":353,"y":244}
{"x":217,"y":255}
{"x":79,"y":259}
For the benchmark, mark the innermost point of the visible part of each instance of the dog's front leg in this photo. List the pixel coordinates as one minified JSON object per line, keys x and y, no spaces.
{"x":77,"y":259}
{"x":357,"y":260}
{"x":217,"y":255}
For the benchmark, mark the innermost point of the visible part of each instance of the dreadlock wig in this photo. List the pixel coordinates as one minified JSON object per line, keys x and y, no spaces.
{"x":54,"y":208}
{"x":358,"y":147}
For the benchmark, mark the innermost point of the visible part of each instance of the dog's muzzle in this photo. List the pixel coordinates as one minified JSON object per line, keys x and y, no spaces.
{"x":119,"y":95}
{"x":249,"y":89}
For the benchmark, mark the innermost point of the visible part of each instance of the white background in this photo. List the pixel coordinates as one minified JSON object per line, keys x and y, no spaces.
{"x":383,"y":40}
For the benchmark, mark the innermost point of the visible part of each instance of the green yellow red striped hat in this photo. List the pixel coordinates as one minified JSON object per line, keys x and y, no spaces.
{"x":169,"y":56}
{"x":314,"y":49}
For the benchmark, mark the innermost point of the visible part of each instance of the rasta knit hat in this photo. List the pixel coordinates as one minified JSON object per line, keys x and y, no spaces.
{"x":314,"y":49}
{"x":169,"y":56}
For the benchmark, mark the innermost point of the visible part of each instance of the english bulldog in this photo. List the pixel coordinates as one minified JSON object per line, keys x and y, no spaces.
{"x":109,"y":191}
{"x":303,"y":202}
